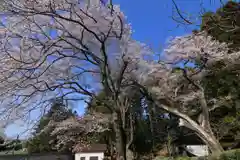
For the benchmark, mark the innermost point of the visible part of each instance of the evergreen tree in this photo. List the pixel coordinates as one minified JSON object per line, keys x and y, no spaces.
{"x":43,"y":141}
{"x":224,"y":24}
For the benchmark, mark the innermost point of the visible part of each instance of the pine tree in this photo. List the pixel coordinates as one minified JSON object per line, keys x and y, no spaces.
{"x":224,"y":24}
{"x":41,"y":140}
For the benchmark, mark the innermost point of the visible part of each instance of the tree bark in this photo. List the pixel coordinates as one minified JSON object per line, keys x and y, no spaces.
{"x":210,"y":140}
{"x":206,"y":135}
{"x":129,"y":153}
{"x":120,"y":138}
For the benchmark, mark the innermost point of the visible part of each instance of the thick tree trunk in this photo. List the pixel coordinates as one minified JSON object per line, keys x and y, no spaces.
{"x":129,"y":154}
{"x":210,"y":140}
{"x":110,"y":144}
{"x":204,"y":133}
{"x":120,"y":139}
{"x":152,"y":120}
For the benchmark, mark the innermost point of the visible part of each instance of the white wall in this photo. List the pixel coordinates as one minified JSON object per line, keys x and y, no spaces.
{"x":198,"y":150}
{"x":88,"y":155}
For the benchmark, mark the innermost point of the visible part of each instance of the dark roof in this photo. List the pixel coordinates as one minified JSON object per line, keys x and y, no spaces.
{"x":40,"y":156}
{"x":91,"y":148}
{"x":189,"y":140}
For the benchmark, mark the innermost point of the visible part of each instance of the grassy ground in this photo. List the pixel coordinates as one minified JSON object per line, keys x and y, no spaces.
{"x":20,"y":152}
{"x":227,"y":155}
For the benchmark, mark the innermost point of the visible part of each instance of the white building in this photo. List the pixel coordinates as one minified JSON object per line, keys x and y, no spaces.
{"x":93,"y":152}
{"x":197,"y":150}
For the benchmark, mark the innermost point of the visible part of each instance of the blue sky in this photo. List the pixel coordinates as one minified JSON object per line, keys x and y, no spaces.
{"x":152,"y":24}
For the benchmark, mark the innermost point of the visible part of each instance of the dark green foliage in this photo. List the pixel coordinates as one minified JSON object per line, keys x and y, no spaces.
{"x":142,"y":140}
{"x":39,"y":144}
{"x":224,"y":24}
{"x":225,"y":118}
{"x":41,"y":140}
{"x":171,"y":158}
{"x":2,"y":140}
{"x":228,"y":155}
{"x":12,"y":145}
{"x":97,"y":105}
{"x":152,"y":127}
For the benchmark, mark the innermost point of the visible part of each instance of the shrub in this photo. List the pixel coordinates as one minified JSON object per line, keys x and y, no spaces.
{"x":228,"y":155}
{"x":172,"y":158}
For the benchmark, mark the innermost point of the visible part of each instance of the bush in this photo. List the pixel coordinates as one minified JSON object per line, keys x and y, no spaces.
{"x":172,"y":158}
{"x":228,"y":155}
{"x":183,"y":158}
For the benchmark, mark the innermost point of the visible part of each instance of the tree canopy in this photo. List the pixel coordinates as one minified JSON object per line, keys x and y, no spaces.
{"x":224,"y":24}
{"x":94,"y":56}
{"x":44,"y":141}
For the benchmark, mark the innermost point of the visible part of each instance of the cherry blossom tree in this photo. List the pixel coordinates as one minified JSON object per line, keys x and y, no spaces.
{"x":67,"y":49}
{"x":76,"y":133}
{"x":176,"y":84}
{"x":71,"y":49}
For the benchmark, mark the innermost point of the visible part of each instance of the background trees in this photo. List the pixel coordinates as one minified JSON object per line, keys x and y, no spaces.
{"x":134,"y":99}
{"x":223,"y":25}
{"x":57,"y":66}
{"x":44,"y":141}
